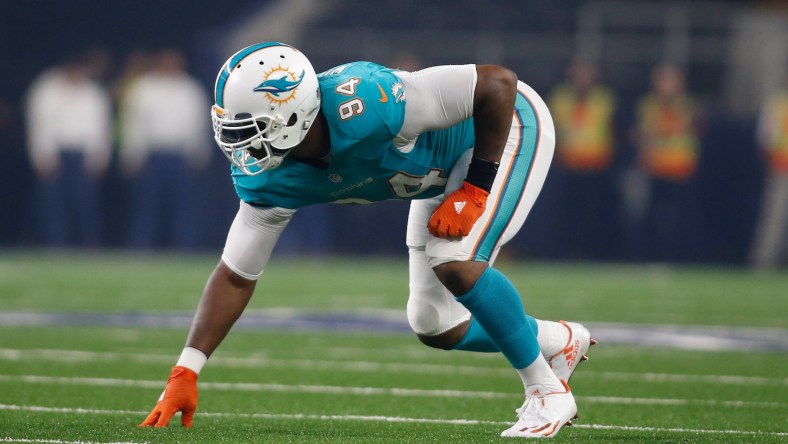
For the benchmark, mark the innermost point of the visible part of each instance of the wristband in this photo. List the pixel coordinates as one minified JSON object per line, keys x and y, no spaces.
{"x":192,"y":359}
{"x":481,"y":173}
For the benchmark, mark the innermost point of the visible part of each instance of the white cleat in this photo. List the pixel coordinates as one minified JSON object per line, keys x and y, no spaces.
{"x":565,"y":362}
{"x":542,"y":415}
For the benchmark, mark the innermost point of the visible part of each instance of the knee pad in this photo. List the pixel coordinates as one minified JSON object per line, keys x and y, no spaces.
{"x":431,"y":310}
{"x":423,"y":317}
{"x":431,"y":316}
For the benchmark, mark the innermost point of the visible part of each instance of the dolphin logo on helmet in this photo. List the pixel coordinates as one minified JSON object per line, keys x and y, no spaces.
{"x":280,"y":85}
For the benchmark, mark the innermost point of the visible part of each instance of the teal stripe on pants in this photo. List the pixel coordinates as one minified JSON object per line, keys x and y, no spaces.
{"x":514,"y":186}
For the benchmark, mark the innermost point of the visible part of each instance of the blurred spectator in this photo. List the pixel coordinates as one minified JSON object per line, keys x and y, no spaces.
{"x":137,"y":64}
{"x":668,"y":152}
{"x":164,"y":144}
{"x":583,"y":111}
{"x":69,"y":133}
{"x":771,"y":236}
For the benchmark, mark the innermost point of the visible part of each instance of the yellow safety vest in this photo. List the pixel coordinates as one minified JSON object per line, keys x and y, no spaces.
{"x":584,"y":134}
{"x":669,"y":146}
{"x":778,"y":143}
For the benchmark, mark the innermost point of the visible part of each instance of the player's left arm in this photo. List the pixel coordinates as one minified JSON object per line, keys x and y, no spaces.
{"x":493,"y":102}
{"x":445,"y":96}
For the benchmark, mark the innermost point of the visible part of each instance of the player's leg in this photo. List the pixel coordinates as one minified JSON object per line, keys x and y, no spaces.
{"x":462,"y":265}
{"x":526,"y":161}
{"x":440,"y":321}
{"x":495,"y":303}
{"x":433,"y":313}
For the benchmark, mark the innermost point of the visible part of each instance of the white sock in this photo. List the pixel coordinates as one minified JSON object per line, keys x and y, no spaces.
{"x":552,"y":337}
{"x":540,"y":373}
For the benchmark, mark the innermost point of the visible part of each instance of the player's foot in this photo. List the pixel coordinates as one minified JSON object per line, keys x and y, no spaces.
{"x":565,"y":362}
{"x":543,"y":414}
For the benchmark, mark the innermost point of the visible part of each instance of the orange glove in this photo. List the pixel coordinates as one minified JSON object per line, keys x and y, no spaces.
{"x":180,"y":394}
{"x":456,"y":215}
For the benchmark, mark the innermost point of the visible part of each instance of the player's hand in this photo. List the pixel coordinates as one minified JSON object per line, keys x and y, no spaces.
{"x":456,"y":215}
{"x":180,"y":395}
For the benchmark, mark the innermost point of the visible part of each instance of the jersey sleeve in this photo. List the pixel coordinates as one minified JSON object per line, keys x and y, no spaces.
{"x":252,"y":238}
{"x":436,"y":98}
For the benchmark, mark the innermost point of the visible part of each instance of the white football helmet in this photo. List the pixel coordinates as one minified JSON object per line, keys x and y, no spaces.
{"x":267,"y":97}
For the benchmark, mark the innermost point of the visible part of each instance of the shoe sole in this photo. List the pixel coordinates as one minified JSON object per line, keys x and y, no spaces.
{"x":546,"y":431}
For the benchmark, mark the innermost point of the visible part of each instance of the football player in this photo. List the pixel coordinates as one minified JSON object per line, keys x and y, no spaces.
{"x":470,"y":145}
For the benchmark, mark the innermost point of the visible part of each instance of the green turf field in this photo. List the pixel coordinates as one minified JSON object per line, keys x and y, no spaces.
{"x":90,"y":383}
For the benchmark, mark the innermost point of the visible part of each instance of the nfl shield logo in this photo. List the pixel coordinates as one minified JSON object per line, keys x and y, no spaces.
{"x":334,"y":177}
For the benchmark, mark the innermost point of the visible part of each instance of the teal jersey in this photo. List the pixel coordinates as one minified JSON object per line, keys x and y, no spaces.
{"x":364,"y":106}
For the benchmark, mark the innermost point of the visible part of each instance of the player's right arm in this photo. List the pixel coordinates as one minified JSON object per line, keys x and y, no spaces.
{"x":250,"y":242}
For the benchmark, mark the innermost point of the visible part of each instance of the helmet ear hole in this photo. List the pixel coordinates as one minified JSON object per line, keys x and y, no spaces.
{"x":293,"y":120}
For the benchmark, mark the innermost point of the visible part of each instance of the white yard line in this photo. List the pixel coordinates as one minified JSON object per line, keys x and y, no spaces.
{"x":374,"y":391}
{"x":10,"y":354}
{"x":398,"y":419}
{"x":58,"y":441}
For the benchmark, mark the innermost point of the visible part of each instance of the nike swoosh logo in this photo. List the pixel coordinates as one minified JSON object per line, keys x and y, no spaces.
{"x":383,"y":97}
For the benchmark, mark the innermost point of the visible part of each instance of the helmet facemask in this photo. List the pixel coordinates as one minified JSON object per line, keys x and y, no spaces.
{"x":246,"y":140}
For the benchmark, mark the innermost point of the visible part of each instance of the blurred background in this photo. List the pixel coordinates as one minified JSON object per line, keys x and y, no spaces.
{"x":671,"y":117}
